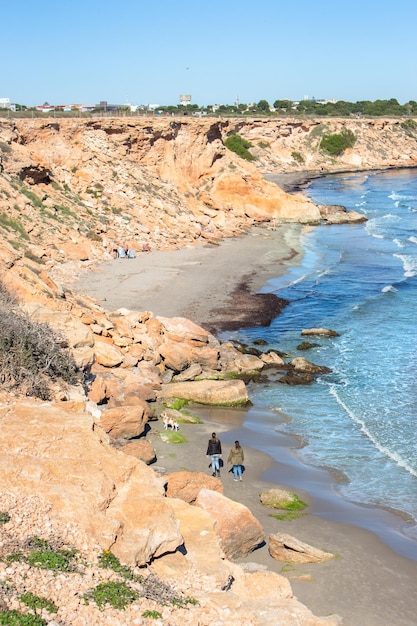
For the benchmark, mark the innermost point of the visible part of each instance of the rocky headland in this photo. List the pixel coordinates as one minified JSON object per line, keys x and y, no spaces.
{"x":77,"y":468}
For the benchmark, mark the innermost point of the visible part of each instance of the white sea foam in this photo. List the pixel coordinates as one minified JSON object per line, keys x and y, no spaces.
{"x":409,"y":264}
{"x":381,"y":448}
{"x":399,"y":243}
{"x":388,"y":288}
{"x":370,"y":227}
{"x":412,"y":239}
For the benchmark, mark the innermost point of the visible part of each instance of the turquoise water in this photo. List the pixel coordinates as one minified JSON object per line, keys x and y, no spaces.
{"x":359,"y":280}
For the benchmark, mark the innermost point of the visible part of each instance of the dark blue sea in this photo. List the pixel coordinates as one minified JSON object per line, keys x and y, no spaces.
{"x":360,"y":280}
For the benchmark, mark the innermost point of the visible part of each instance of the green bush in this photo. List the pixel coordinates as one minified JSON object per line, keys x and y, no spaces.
{"x":107,"y":560}
{"x":297,"y":156}
{"x":37,"y":603}
{"x":152,"y":614}
{"x":410,"y":127}
{"x":16,"y":618}
{"x":239,"y":146}
{"x":118,"y":594}
{"x":336,"y":144}
{"x":4,"y":517}
{"x":57,"y":560}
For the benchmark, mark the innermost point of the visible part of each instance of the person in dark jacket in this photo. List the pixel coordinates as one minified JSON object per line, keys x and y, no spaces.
{"x":214,"y":451}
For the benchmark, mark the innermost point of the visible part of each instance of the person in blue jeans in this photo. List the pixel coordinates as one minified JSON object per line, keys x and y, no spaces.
{"x":214,"y":451}
{"x":236,"y":458}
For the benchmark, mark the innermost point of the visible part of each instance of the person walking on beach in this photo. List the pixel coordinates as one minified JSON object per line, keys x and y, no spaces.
{"x":236,"y":458}
{"x":214,"y":451}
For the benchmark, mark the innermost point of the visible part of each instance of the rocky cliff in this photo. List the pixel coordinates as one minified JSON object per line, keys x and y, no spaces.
{"x":68,"y":190}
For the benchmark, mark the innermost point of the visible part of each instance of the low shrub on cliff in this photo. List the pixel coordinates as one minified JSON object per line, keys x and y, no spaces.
{"x":32,"y":355}
{"x":335,"y":144}
{"x":239,"y":146}
{"x":297,"y":156}
{"x":15,"y":225}
{"x":116,"y":594}
{"x":38,"y":603}
{"x":16,"y":618}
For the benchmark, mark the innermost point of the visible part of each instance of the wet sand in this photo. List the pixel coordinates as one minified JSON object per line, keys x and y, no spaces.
{"x":369,"y":583}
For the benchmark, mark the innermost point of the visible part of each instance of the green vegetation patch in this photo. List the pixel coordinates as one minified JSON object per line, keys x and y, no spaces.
{"x":65,"y":211}
{"x":35,"y":200}
{"x":117,"y":594}
{"x":15,"y":225}
{"x":173,"y":437}
{"x":107,"y":560}
{"x":57,"y":560}
{"x":288,"y":502}
{"x":16,"y":618}
{"x":239,"y":146}
{"x":336,"y":144}
{"x":152,"y":614}
{"x":176,"y":403}
{"x":37,"y":603}
{"x":410,"y":127}
{"x":297,"y":156}
{"x":4,"y":517}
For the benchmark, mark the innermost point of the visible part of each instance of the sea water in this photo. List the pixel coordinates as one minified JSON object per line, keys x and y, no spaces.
{"x":359,"y":280}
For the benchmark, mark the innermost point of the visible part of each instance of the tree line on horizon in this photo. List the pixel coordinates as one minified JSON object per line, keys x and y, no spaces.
{"x":319,"y":108}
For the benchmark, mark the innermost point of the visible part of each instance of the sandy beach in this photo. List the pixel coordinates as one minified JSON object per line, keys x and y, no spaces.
{"x":369,"y":583}
{"x":213,"y":285}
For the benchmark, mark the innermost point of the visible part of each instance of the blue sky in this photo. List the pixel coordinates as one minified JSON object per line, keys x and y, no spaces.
{"x":217,"y":51}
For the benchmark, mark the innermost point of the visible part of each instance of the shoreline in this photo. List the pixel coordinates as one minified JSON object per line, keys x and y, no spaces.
{"x":186,"y":283}
{"x":366,"y":583}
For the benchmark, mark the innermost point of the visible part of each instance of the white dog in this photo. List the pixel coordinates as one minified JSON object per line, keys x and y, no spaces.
{"x":169,"y":422}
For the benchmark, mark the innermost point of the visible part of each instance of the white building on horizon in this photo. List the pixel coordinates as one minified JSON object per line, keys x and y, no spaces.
{"x":6,"y":104}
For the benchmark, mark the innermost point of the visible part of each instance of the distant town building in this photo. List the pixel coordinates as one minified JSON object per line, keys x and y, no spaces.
{"x":45,"y":108}
{"x":6,"y":104}
{"x":185,"y":99}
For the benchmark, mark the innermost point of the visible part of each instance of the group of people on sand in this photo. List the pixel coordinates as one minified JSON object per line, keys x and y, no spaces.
{"x":235,"y":458}
{"x":127,"y":251}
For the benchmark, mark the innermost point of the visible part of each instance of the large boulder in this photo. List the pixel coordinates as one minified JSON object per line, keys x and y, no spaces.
{"x":303,"y":365}
{"x":187,"y":485}
{"x":141,"y":449}
{"x":213,"y":392}
{"x":106,"y":353}
{"x":239,"y":531}
{"x":321,"y":332}
{"x":125,"y":422}
{"x":175,"y":356}
{"x":182,"y":330}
